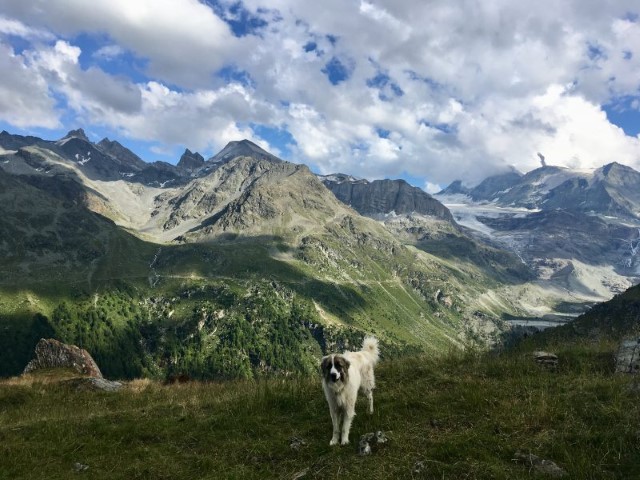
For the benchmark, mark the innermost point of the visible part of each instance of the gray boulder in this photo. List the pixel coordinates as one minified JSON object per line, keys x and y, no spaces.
{"x":51,"y":353}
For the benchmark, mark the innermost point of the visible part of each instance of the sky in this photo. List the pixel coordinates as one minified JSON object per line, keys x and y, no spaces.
{"x":426,"y":90}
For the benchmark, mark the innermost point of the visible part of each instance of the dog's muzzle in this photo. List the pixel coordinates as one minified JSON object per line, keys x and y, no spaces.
{"x":335,"y":377}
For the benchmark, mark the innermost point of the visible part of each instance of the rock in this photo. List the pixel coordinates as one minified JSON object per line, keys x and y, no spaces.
{"x":370,"y":441}
{"x":94,"y":384}
{"x":79,"y":467}
{"x":546,"y":359}
{"x":545,"y":467}
{"x":628,"y":356}
{"x":51,"y":353}
{"x":296,"y":443}
{"x":364,"y":448}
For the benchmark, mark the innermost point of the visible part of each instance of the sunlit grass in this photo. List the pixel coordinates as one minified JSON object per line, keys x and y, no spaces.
{"x":463,"y":416}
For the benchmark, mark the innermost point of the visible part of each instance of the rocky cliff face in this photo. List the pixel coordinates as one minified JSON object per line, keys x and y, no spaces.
{"x":117,"y":150}
{"x":381,"y":197}
{"x":191,"y":161}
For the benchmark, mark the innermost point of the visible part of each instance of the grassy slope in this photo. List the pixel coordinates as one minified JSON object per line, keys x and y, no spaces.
{"x":463,"y":417}
{"x":361,"y":284}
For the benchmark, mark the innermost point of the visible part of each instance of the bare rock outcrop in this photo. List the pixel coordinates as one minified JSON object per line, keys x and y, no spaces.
{"x":628,"y":356}
{"x":51,"y":353}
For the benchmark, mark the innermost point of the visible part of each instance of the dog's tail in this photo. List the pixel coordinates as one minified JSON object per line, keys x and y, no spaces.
{"x":370,"y":345}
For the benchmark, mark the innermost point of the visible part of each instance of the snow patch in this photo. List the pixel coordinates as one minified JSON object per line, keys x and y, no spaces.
{"x":82,"y":159}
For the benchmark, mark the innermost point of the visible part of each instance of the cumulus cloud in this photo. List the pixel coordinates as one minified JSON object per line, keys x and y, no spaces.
{"x":375,"y":88}
{"x":91,"y":93}
{"x":184,"y":41}
{"x":16,"y":28}
{"x":204,"y":119}
{"x":25,"y":99}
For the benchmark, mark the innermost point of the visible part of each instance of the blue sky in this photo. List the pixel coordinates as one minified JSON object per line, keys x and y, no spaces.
{"x":426,"y":91}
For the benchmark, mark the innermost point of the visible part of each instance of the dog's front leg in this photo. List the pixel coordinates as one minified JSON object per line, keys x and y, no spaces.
{"x":346,"y":425}
{"x":335,"y":419}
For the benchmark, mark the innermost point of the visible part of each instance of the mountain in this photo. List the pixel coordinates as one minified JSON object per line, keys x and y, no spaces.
{"x":246,"y":266}
{"x":609,"y":190}
{"x":495,"y":186}
{"x":242,"y":148}
{"x":381,"y":197}
{"x":191,"y":161}
{"x":579,"y":230}
{"x":117,"y":150}
{"x":613,"y":320}
{"x":10,"y":141}
{"x":416,"y":218}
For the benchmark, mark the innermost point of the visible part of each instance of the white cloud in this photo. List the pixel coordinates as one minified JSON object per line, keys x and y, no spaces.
{"x":439,"y":90}
{"x":108,"y":52}
{"x":25,"y":100}
{"x":91,"y":93}
{"x":184,"y":40}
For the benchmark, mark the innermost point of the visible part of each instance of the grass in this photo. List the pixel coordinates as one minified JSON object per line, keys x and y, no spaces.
{"x":460,"y":416}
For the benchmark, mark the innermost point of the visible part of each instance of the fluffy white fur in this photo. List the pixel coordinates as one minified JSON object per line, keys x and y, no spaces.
{"x":343,"y":375}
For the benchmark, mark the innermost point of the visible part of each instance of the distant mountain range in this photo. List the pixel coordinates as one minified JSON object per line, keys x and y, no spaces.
{"x":610,"y":190}
{"x":97,"y":242}
{"x":113,"y":253}
{"x":577,"y":229}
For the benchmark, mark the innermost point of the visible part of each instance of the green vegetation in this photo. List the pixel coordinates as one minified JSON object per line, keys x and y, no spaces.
{"x":237,"y":309}
{"x":461,"y":416}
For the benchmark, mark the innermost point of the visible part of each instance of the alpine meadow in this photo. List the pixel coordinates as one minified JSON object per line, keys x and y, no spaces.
{"x":349,"y":239}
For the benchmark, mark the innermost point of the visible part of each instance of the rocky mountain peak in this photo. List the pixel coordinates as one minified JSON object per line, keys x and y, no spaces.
{"x":77,"y":133}
{"x":242,"y":148}
{"x":455,"y":188}
{"x":614,"y":169}
{"x":190,"y":160}
{"x":128,"y":159}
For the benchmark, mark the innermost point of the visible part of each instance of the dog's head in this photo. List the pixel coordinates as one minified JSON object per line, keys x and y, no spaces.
{"x":335,"y":368}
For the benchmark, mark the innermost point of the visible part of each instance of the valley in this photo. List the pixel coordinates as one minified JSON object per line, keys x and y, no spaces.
{"x":107,"y":251}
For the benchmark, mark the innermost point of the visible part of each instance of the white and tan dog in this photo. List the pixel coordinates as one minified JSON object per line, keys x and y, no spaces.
{"x":342,"y":376}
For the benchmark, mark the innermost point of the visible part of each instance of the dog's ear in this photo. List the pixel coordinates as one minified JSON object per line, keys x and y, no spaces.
{"x":325,"y":366}
{"x":343,"y":362}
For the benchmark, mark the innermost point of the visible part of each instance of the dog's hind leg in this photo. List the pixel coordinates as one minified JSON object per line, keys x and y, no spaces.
{"x":346,"y":425}
{"x":370,"y":397}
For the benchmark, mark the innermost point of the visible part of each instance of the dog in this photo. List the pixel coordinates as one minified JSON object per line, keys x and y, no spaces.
{"x":342,"y":376}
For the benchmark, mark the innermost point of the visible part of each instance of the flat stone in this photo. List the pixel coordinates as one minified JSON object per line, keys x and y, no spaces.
{"x":94,"y":384}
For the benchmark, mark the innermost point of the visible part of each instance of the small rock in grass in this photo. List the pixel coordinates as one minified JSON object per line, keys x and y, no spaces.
{"x":368,"y":441}
{"x":418,"y":467}
{"x":79,"y":467}
{"x":546,"y":467}
{"x":296,"y":443}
